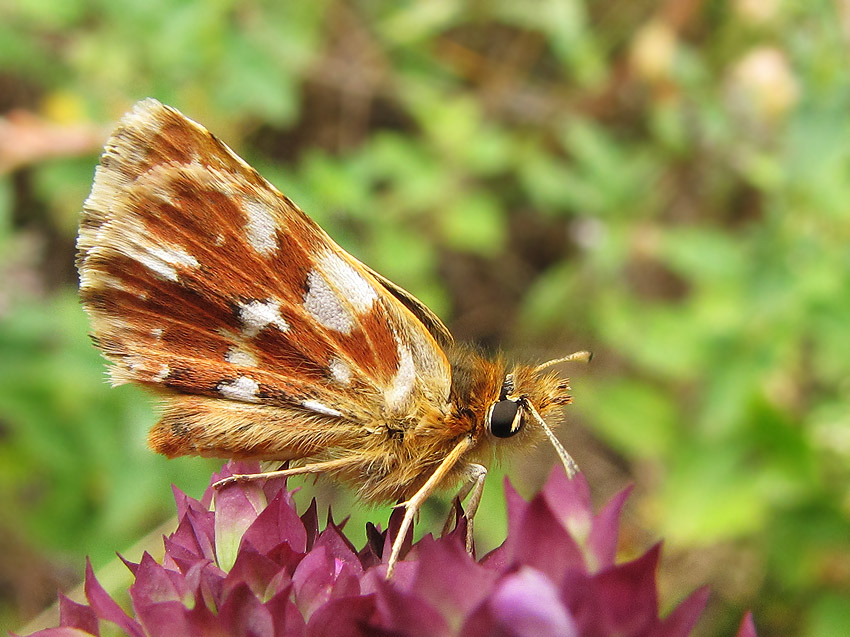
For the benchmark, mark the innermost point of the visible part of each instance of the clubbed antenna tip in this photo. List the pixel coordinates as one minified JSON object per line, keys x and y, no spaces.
{"x":582,"y":357}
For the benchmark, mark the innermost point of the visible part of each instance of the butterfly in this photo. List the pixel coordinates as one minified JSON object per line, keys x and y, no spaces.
{"x":268,"y":341}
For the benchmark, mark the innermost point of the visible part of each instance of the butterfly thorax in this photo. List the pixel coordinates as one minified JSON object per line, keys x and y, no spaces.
{"x":478,"y":383}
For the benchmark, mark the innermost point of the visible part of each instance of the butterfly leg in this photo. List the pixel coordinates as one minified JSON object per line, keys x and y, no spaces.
{"x":316,"y":467}
{"x":412,"y":506}
{"x":476,"y":474}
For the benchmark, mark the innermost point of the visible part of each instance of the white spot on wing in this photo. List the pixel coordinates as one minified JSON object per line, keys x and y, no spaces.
{"x":324,"y":305}
{"x":160,"y":259}
{"x":147,"y":370}
{"x":261,"y":228}
{"x":334,"y":289}
{"x":347,"y":281}
{"x":340,"y":371}
{"x":405,"y":377}
{"x":257,"y":315}
{"x":320,"y":408}
{"x":243,"y":389}
{"x":239,"y":356}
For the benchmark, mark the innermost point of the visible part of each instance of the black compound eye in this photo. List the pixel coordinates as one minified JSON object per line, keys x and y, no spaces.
{"x":504,"y":418}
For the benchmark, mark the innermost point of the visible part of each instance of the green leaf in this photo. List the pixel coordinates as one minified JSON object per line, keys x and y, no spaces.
{"x":634,"y":418}
{"x":474,"y":222}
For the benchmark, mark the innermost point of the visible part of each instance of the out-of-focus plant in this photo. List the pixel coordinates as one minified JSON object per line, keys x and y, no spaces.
{"x":243,"y":562}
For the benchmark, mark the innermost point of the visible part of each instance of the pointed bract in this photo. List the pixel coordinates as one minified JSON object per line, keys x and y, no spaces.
{"x":74,"y":615}
{"x":748,"y":626}
{"x":682,"y":619}
{"x":106,"y":608}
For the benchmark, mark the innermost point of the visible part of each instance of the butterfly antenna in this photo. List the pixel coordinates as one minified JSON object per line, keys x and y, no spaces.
{"x":570,"y":465}
{"x":583,"y":357}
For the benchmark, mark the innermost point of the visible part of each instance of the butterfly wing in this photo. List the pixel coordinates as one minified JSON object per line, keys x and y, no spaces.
{"x":204,"y":281}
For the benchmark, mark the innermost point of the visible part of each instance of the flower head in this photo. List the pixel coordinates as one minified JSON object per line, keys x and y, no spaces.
{"x":243,"y":562}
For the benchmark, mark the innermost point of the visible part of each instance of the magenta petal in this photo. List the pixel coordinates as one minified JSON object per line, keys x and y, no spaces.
{"x":154,"y":583}
{"x":499,"y":558}
{"x":338,"y":546}
{"x":211,"y":586}
{"x":402,"y":576}
{"x":526,"y":603}
{"x":196,"y":534}
{"x":536,"y":537}
{"x":236,"y":508}
{"x":232,"y":467}
{"x":502,"y":557}
{"x":185,"y":503}
{"x":164,"y":618}
{"x":604,"y":533}
{"x":277,"y":523}
{"x":312,"y":581}
{"x":74,"y":615}
{"x":517,"y":507}
{"x":282,"y":581}
{"x":202,"y":621}
{"x":273,"y":486}
{"x":177,"y":556}
{"x":542,"y":543}
{"x":480,"y":622}
{"x":349,"y":616}
{"x":251,"y":568}
{"x":105,"y":607}
{"x":192,"y":581}
{"x":131,"y":566}
{"x":285,"y":557}
{"x":393,"y":526}
{"x":319,"y":577}
{"x":569,"y":498}
{"x":450,"y":580}
{"x":400,"y":612}
{"x":310,"y":520}
{"x":682,"y":619}
{"x":748,"y":626}
{"x":159,"y":598}
{"x":628,"y":597}
{"x":288,"y":621}
{"x":205,"y":582}
{"x":457,"y":532}
{"x":370,"y":554}
{"x":243,"y":615}
{"x":64,"y":631}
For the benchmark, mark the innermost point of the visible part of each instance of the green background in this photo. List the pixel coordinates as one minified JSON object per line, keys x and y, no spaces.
{"x":664,"y":183}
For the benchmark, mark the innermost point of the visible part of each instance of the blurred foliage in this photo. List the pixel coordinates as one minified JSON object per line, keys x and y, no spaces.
{"x":664,"y":183}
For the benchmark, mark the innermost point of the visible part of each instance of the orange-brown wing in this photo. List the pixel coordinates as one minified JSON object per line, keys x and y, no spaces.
{"x":201,"y":278}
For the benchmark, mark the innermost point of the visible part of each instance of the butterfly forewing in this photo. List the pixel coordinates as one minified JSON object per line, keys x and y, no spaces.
{"x":201,"y":278}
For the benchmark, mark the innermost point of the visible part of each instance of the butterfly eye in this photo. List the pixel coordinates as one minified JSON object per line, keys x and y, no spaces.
{"x":505,"y":418}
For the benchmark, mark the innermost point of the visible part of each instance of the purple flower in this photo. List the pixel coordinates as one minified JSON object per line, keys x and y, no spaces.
{"x":249,"y":565}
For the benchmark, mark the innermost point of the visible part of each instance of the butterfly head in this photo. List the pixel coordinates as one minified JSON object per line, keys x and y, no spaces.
{"x":528,"y":398}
